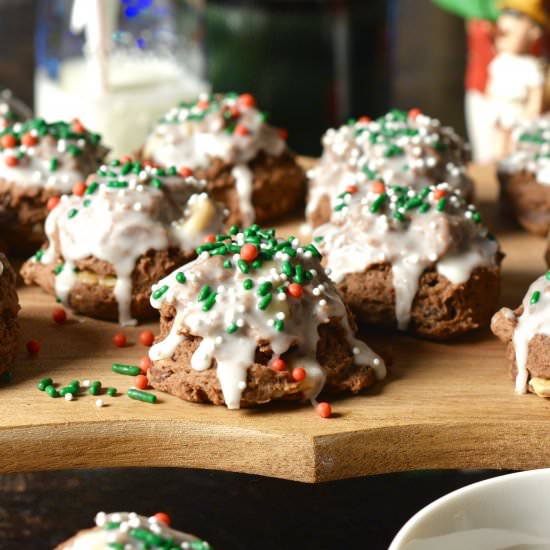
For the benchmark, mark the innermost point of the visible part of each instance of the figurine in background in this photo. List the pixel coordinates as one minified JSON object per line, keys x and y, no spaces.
{"x":515,"y":89}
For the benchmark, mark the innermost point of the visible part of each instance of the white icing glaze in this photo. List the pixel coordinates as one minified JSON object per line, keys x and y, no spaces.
{"x":531,"y":153}
{"x":357,"y":238}
{"x":58,"y":156}
{"x":534,"y":320}
{"x":123,"y":215}
{"x":194,"y":133}
{"x":130,"y":530}
{"x":236,"y":322}
{"x":413,"y":151}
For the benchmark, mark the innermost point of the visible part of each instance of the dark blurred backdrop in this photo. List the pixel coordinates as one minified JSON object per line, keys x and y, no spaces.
{"x":312,"y":63}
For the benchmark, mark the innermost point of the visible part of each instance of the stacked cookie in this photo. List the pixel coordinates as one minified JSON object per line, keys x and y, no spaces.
{"x":227,"y":141}
{"x":401,"y":148}
{"x":130,"y":225}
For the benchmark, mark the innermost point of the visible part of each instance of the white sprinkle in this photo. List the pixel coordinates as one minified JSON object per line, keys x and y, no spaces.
{"x":100,"y":519}
{"x":281,"y":296}
{"x":356,"y":351}
{"x":281,"y":316}
{"x":68,"y":397}
{"x":99,"y":403}
{"x":86,"y":383}
{"x":322,"y":302}
{"x":218,"y":340}
{"x":241,"y":385}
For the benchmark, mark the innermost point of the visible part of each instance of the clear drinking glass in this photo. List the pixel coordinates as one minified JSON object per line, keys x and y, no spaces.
{"x":117,"y":65}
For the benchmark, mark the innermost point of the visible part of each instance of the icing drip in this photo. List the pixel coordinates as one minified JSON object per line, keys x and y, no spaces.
{"x":404,"y":150}
{"x":533,"y":321}
{"x":228,"y":127}
{"x":280,"y":295}
{"x":412,"y":231}
{"x":129,"y":531}
{"x":531,"y":150}
{"x":127,"y":210}
{"x":54,"y":156}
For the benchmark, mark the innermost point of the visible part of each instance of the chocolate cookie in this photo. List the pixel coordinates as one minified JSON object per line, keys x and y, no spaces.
{"x":39,"y":162}
{"x":129,"y":531}
{"x":255,"y":319}
{"x":407,"y":149}
{"x":130,"y":226}
{"x":419,"y":261}
{"x":526,"y":333}
{"x":225,"y":139}
{"x":524,"y":177}
{"x":9,"y":307}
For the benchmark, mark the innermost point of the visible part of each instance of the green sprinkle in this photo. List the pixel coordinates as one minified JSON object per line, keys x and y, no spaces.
{"x":180,"y":277}
{"x":54,"y":164}
{"x":227,"y":264}
{"x":256,"y":264}
{"x":172,"y":171}
{"x":287,"y":269}
{"x":126,"y":168}
{"x":58,"y":268}
{"x":155,"y":182}
{"x":44,"y":383}
{"x":209,"y":302}
{"x":72,"y":213}
{"x":86,"y":203}
{"x":128,"y":370}
{"x":116,"y":184}
{"x":318,"y":239}
{"x":313,"y":249}
{"x":441,"y":203}
{"x":424,"y":208}
{"x":160,"y":292}
{"x":204,"y":292}
{"x":233,"y":230}
{"x":299,"y":277}
{"x":39,"y":255}
{"x":548,"y":275}
{"x":111,"y":392}
{"x":140,"y":395}
{"x":232,"y":328}
{"x":264,"y":288}
{"x":263,"y":304}
{"x":476,"y":216}
{"x":51,"y":391}
{"x":378,"y":202}
{"x":243,"y":266}
{"x":74,"y":151}
{"x":279,"y":325}
{"x":535,"y":297}
{"x":92,"y":188}
{"x":248,"y":284}
{"x":399,"y":216}
{"x":95,"y":387}
{"x":111,"y":525}
{"x":115,"y":162}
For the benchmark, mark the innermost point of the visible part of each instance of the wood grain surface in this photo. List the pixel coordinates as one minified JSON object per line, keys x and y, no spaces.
{"x":443,"y":405}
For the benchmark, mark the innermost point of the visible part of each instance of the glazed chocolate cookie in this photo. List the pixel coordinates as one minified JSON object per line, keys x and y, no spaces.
{"x":410,"y":149}
{"x":9,"y":307}
{"x":129,"y":531}
{"x":225,"y":139}
{"x":524,"y":177}
{"x":130,"y":226}
{"x":526,"y":333}
{"x":39,"y":162}
{"x":419,"y":261}
{"x":255,"y":319}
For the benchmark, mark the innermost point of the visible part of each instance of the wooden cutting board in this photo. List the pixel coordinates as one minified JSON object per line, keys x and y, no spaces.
{"x":443,"y":405}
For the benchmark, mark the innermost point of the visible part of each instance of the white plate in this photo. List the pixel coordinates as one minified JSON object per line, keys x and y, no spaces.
{"x":510,"y":512}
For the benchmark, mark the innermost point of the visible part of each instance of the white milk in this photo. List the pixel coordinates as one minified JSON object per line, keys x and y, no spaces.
{"x":140,"y":92}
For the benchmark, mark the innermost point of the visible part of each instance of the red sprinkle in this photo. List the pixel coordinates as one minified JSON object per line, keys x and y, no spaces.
{"x":351,"y":188}
{"x":203,"y":105}
{"x":33,"y":347}
{"x":235,"y":113}
{"x":378,"y":187}
{"x":324,"y":410}
{"x":78,"y":126}
{"x":241,"y":130}
{"x":365,"y":119}
{"x":283,"y":134}
{"x":52,"y":203}
{"x":413,"y":113}
{"x":146,"y":337}
{"x":11,"y":161}
{"x":125,"y":159}
{"x":249,"y":252}
{"x":119,"y":340}
{"x":28,"y":140}
{"x":295,"y":290}
{"x":298,"y":374}
{"x":59,"y":315}
{"x":79,"y":188}
{"x":247,"y":100}
{"x":185,"y":172}
{"x":141,"y":382}
{"x":149,"y":163}
{"x":163,"y":518}
{"x":439,"y":194}
{"x":8,"y":141}
{"x":145,"y":364}
{"x":278,"y":365}
{"x":209,"y":239}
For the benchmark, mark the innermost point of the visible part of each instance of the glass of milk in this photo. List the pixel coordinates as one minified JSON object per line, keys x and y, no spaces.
{"x":117,"y":65}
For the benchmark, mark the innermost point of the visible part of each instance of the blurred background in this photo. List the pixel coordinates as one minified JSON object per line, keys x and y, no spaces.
{"x":311,"y":63}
